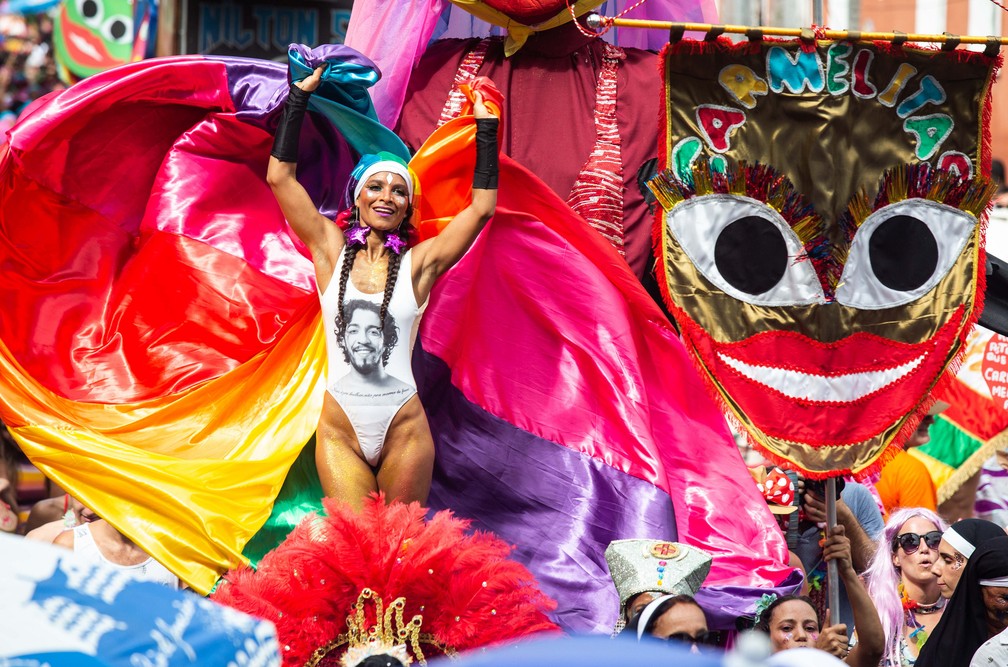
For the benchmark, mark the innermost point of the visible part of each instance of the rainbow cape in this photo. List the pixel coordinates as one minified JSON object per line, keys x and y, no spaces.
{"x":162,"y":355}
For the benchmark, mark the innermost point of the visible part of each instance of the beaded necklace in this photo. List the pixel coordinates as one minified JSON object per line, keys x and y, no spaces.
{"x":918,"y":635}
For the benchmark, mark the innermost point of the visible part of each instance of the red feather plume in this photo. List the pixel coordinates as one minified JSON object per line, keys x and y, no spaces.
{"x":463,"y":585}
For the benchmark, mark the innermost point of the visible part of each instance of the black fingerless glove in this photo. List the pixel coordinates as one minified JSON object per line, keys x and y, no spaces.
{"x":485,"y":176}
{"x":288,"y":132}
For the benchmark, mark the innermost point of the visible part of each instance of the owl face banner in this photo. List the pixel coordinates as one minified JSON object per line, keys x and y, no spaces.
{"x":821,"y":239}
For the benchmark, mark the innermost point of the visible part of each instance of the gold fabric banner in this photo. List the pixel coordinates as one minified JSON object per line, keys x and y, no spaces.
{"x":821,"y":244}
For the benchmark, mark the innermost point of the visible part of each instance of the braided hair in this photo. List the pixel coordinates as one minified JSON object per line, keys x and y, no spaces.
{"x":390,"y":280}
{"x":348,"y":260}
{"x":395,"y":260}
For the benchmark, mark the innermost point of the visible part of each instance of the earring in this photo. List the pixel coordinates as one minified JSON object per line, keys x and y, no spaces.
{"x":357,"y":233}
{"x":395,"y":242}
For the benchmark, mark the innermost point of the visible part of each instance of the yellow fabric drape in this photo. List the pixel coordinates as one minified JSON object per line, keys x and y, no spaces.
{"x":191,"y":476}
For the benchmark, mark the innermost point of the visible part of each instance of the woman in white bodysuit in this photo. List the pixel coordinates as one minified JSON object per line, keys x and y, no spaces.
{"x":373,"y":433}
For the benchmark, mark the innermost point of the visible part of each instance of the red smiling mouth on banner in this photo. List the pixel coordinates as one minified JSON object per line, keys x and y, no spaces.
{"x":800,"y":389}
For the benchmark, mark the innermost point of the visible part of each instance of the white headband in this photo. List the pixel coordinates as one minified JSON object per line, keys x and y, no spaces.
{"x":646,"y":613}
{"x":958,"y":542}
{"x":1001,"y":582}
{"x":385,"y":165}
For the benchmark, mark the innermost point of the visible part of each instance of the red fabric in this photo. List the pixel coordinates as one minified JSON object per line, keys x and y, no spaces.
{"x":603,"y":372}
{"x":485,"y":87}
{"x":134,"y":280}
{"x":528,"y":12}
{"x":980,"y":416}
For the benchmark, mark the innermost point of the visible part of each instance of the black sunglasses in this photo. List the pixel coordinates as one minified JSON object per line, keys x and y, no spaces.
{"x":701,"y":638}
{"x":911,"y":541}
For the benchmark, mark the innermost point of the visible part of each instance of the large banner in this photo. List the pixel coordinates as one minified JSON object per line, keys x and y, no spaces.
{"x":821,"y":245}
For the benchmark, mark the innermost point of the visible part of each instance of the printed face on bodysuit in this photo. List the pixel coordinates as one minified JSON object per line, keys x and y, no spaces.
{"x":363,"y":343}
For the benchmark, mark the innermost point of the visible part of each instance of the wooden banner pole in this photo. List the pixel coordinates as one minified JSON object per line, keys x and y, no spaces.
{"x":832,"y":573}
{"x":597,"y":22}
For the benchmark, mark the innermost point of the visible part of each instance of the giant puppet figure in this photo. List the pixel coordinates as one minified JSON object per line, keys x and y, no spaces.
{"x":821,"y":245}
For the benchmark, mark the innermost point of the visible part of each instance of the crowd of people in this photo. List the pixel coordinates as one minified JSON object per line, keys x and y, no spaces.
{"x":914,"y":590}
{"x":931,"y":594}
{"x":28,"y":69}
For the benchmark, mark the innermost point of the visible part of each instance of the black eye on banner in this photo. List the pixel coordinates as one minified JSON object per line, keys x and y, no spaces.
{"x":117,"y":30}
{"x":751,"y":254}
{"x":903,"y":253}
{"x":745,"y":249}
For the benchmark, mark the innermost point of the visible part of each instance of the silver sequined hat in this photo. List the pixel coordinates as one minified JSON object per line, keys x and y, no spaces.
{"x":643,"y":565}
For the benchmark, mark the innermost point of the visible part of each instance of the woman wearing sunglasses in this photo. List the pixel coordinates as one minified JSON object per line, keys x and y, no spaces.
{"x":901,"y":583}
{"x":977,"y":611}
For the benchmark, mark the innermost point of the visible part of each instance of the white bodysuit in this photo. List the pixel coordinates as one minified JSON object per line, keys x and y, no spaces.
{"x":372,"y":392}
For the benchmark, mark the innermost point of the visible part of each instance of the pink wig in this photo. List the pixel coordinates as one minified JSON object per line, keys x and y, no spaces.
{"x":883,"y":579}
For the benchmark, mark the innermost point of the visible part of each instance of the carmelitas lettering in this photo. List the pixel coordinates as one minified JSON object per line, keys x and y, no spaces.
{"x":992,"y":375}
{"x":851,"y":75}
{"x":797,"y":71}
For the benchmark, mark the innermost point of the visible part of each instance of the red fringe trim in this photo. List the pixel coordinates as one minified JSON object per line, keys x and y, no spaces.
{"x":662,"y":110}
{"x":986,"y":114}
{"x":663,"y":158}
{"x":723,"y":44}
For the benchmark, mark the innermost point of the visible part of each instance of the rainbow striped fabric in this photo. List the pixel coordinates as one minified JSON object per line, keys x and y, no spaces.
{"x":163,"y":355}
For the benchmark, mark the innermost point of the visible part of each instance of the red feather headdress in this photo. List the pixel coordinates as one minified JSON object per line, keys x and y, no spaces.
{"x":443,"y":591}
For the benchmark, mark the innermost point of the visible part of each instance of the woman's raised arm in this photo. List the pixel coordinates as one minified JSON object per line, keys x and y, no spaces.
{"x":323,"y":238}
{"x":870,"y":635}
{"x":434,"y":257}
